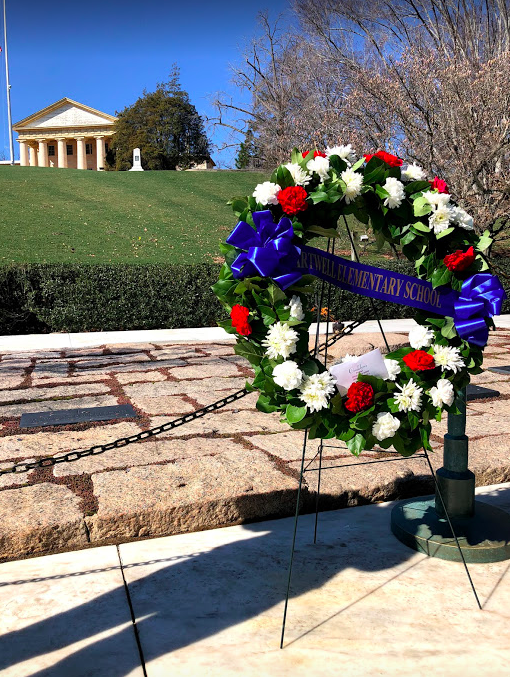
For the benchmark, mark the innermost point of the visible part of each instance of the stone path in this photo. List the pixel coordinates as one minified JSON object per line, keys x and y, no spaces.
{"x":211,"y":604}
{"x":235,"y":465}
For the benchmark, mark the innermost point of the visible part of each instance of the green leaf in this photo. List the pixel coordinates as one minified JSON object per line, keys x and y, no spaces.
{"x":421,"y":206}
{"x":310,"y":367}
{"x":358,"y":164}
{"x":227,"y":326}
{"x":383,"y":194}
{"x":249,"y":350}
{"x":484,"y":242}
{"x":441,"y":276}
{"x":295,"y":414}
{"x":416,"y":187}
{"x":445,"y":233}
{"x":319,"y":196}
{"x":264,"y":404}
{"x":448,"y":330}
{"x":268,"y":315}
{"x":356,"y":444}
{"x":239,"y":205}
{"x":284,"y":177}
{"x":418,"y":225}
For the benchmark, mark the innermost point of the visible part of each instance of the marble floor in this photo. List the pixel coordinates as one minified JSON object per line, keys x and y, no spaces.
{"x":210,"y":603}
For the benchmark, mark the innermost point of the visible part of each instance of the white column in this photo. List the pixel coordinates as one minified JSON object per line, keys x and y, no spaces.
{"x":43,"y":153}
{"x":33,"y":156}
{"x":62,"y":154}
{"x":23,"y":153}
{"x":82,"y":159}
{"x":100,"y":152}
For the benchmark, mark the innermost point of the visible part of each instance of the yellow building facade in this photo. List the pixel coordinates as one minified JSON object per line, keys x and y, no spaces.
{"x":67,"y":135}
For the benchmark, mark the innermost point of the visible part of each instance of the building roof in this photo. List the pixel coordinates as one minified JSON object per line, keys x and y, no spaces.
{"x":65,"y":113}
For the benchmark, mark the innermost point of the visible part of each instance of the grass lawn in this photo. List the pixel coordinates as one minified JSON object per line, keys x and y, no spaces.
{"x":66,"y":215}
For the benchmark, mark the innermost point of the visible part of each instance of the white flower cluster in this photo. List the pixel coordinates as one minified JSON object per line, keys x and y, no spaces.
{"x":353,"y":184}
{"x":396,"y":192}
{"x":409,"y":397}
{"x":448,"y":358}
{"x":319,"y":165}
{"x":421,"y":337}
{"x":413,"y":173}
{"x":280,"y":341}
{"x":296,"y":308}
{"x":442,"y":393}
{"x":344,"y":152}
{"x":317,"y":389}
{"x":301,"y":178}
{"x":393,"y":369}
{"x":444,"y":215}
{"x":266,"y":193}
{"x":385,"y":426}
{"x":462,"y":218}
{"x":288,"y":375}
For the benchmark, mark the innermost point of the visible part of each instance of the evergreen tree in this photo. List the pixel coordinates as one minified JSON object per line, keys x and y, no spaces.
{"x":165,"y":126}
{"x":247,"y":156}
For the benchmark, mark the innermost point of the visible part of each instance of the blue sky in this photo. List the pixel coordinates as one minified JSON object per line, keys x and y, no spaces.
{"x":103,"y":53}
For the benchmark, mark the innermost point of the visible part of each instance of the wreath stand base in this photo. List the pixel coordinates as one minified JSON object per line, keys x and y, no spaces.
{"x":481,"y":532}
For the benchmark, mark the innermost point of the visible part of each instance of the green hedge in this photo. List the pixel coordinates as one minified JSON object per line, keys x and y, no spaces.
{"x":53,"y":298}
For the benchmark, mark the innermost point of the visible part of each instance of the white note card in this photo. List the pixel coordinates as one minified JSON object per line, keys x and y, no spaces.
{"x":371,"y":363}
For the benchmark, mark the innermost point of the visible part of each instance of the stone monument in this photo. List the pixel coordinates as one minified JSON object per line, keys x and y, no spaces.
{"x":137,"y":162}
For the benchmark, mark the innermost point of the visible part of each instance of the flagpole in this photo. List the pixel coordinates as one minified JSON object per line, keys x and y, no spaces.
{"x":9,"y":117}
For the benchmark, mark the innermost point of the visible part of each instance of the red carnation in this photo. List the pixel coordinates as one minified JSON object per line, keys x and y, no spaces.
{"x":419,"y":360}
{"x":239,"y":315}
{"x":293,"y":200}
{"x":316,"y":153}
{"x":459,"y":260}
{"x":439,"y":185}
{"x":391,"y":160}
{"x":359,"y":396}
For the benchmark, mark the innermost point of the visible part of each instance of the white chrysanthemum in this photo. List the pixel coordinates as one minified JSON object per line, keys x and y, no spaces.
{"x":385,"y":426}
{"x":393,"y":368}
{"x":296,"y":308}
{"x":409,"y":399}
{"x":440,"y":219}
{"x":421,"y":337}
{"x":462,"y":218}
{"x":344,"y":152}
{"x":353,"y":183}
{"x":413,"y":173}
{"x":436,"y":199}
{"x":301,"y":178}
{"x":319,"y":165}
{"x":280,"y":341}
{"x":396,"y":192}
{"x":448,"y":358}
{"x":316,"y":390}
{"x":266,"y":193}
{"x":442,"y":393}
{"x":288,"y":375}
{"x":349,"y":358}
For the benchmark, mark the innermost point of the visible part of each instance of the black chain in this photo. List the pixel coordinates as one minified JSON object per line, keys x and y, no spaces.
{"x":48,"y":461}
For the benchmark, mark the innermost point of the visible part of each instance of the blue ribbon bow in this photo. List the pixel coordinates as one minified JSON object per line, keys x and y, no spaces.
{"x":268,"y":251}
{"x":481,"y":296}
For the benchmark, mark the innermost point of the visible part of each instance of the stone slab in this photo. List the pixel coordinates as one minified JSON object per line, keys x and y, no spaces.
{"x":361,"y":603}
{"x":40,"y":518}
{"x":149,"y":452}
{"x":227,"y":424}
{"x":66,"y":615}
{"x":134,"y":377}
{"x":82,"y":415}
{"x":48,"y":393}
{"x":49,"y":443}
{"x":287,"y":446}
{"x":11,"y":381}
{"x":206,"y":367}
{"x":191,"y":494}
{"x":13,"y":410}
{"x":474,"y":392}
{"x":503,"y":369}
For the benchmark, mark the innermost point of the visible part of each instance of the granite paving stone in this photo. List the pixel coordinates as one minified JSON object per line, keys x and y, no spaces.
{"x":40,"y":518}
{"x":11,"y":410}
{"x":47,"y":393}
{"x":73,"y":378}
{"x":192,"y":494}
{"x":109,"y":360}
{"x":227,"y":424}
{"x":148,"y":452}
{"x":286,"y":445}
{"x":11,"y":381}
{"x":49,"y":443}
{"x":134,"y":377}
{"x":136,"y":366}
{"x":206,"y":367}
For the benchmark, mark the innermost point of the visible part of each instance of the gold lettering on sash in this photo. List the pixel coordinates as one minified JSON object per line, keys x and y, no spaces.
{"x":384,"y":288}
{"x":391,"y":286}
{"x":419,"y":294}
{"x":399,"y":283}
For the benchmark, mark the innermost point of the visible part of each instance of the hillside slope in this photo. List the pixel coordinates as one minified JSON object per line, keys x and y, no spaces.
{"x":63,"y":215}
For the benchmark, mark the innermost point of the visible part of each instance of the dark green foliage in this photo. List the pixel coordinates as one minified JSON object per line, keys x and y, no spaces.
{"x":81,"y":297}
{"x":165,"y":126}
{"x":247,"y":156}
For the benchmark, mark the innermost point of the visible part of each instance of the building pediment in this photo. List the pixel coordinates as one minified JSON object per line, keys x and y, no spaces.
{"x":65,"y":113}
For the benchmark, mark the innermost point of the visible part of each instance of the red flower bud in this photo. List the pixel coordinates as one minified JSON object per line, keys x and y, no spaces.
{"x":293,"y":200}
{"x":459,"y":260}
{"x":359,"y":396}
{"x":419,"y":360}
{"x":391,"y":160}
{"x":439,"y":185}
{"x":239,"y":315}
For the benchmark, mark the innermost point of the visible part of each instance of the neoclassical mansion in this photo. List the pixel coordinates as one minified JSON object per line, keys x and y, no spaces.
{"x":66,"y":134}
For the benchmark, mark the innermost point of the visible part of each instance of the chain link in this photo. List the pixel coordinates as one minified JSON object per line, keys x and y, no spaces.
{"x":49,"y":461}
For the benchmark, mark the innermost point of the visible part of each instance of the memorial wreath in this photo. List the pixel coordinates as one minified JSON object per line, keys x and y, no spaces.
{"x":266,"y":285}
